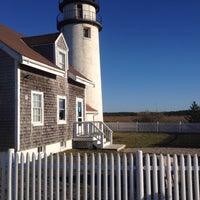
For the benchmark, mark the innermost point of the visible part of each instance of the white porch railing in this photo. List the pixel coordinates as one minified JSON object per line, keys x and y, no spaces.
{"x":98,"y":131}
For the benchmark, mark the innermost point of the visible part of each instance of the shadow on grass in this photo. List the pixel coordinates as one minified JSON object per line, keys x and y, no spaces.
{"x":180,"y":140}
{"x":139,"y":140}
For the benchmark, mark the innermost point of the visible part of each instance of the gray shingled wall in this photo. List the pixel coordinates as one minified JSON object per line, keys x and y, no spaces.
{"x":7,"y":101}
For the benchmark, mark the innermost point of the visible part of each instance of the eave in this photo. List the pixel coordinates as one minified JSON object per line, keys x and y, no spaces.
{"x":30,"y":62}
{"x":80,"y":79}
{"x":41,"y":66}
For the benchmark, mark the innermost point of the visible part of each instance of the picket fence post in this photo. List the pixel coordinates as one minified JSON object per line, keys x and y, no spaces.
{"x":99,"y":176}
{"x":155,"y":177}
{"x":140,"y":177}
{"x":92,"y":177}
{"x":51,"y":176}
{"x":78,"y":177}
{"x":189,"y":177}
{"x":182,"y":174}
{"x":27,"y":175}
{"x":176,"y":178}
{"x":131,"y":176}
{"x":148,"y":177}
{"x":22,"y":176}
{"x":33,"y":176}
{"x":169,"y":178}
{"x":64,"y":174}
{"x":85,"y":176}
{"x":45,"y":176}
{"x":71,"y":167}
{"x":105,"y":184}
{"x":118,"y":172}
{"x":112,"y":186}
{"x":196,"y":178}
{"x":162,"y":177}
{"x":125,"y":185}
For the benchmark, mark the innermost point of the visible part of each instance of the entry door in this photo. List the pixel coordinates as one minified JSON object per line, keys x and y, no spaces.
{"x":79,"y":115}
{"x":79,"y":110}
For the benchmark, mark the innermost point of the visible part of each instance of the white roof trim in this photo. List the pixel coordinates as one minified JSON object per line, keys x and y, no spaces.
{"x":81,"y":80}
{"x":58,"y":38}
{"x":42,"y":66}
{"x":91,"y":112}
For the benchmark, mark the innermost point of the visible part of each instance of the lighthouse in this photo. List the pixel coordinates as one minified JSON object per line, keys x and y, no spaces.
{"x":80,"y":24}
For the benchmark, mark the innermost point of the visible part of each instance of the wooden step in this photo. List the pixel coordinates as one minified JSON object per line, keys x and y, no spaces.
{"x":115,"y":147}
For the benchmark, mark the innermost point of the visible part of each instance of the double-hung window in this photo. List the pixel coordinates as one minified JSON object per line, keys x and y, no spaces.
{"x":61,"y":60}
{"x":61,"y":109}
{"x":37,"y":105}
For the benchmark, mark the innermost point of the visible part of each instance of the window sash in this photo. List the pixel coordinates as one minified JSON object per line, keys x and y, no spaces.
{"x":37,"y":108}
{"x":61,"y":60}
{"x":61,"y":109}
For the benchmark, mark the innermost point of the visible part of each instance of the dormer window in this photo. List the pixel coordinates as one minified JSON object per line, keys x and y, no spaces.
{"x":61,"y":60}
{"x":61,"y":53}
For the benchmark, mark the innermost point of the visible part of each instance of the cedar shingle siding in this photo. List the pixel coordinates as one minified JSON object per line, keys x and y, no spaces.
{"x":61,"y":44}
{"x":75,"y":90}
{"x":51,"y":132}
{"x":7,"y":102}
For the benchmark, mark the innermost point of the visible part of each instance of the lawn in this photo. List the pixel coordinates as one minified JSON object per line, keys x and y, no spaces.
{"x":136,"y":140}
{"x":142,"y":140}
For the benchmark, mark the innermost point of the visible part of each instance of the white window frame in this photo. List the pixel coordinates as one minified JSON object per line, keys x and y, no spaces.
{"x":58,"y":110}
{"x":60,"y":65}
{"x":41,"y":122}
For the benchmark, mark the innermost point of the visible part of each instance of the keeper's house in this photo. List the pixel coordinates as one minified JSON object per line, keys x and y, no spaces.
{"x":42,"y":98}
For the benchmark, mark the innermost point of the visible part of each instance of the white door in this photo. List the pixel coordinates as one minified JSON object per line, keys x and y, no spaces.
{"x":79,"y":115}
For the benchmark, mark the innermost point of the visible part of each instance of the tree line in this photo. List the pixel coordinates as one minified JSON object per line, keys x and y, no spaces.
{"x":191,"y":115}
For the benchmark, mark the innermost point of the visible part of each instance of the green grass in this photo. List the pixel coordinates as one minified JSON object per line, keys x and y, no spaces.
{"x":142,"y":140}
{"x":135,"y":140}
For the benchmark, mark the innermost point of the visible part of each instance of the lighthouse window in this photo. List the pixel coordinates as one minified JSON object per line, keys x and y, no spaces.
{"x":61,"y":60}
{"x":87,"y":32}
{"x":80,"y":11}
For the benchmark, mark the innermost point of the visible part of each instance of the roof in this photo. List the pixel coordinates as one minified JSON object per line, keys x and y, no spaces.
{"x":16,"y":42}
{"x":75,"y":75}
{"x":90,"y":109}
{"x":20,"y":44}
{"x":41,"y":39}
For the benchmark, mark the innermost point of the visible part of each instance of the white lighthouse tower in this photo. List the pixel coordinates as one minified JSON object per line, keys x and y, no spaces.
{"x":80,"y":25}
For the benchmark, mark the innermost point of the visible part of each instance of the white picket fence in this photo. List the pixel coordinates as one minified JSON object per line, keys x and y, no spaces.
{"x":99,"y":176}
{"x":155,"y":127}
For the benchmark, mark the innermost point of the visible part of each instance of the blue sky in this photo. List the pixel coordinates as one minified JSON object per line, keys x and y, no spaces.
{"x":150,"y":49}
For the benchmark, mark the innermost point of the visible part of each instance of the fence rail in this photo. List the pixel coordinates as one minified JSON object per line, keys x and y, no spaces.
{"x":100,"y":176}
{"x":166,"y":127}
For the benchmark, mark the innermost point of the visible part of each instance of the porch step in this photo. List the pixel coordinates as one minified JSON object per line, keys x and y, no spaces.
{"x":84,"y":139}
{"x":98,"y":144}
{"x":115,"y":147}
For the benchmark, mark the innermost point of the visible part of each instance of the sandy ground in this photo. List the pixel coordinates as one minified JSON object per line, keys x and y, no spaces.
{"x":165,"y":151}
